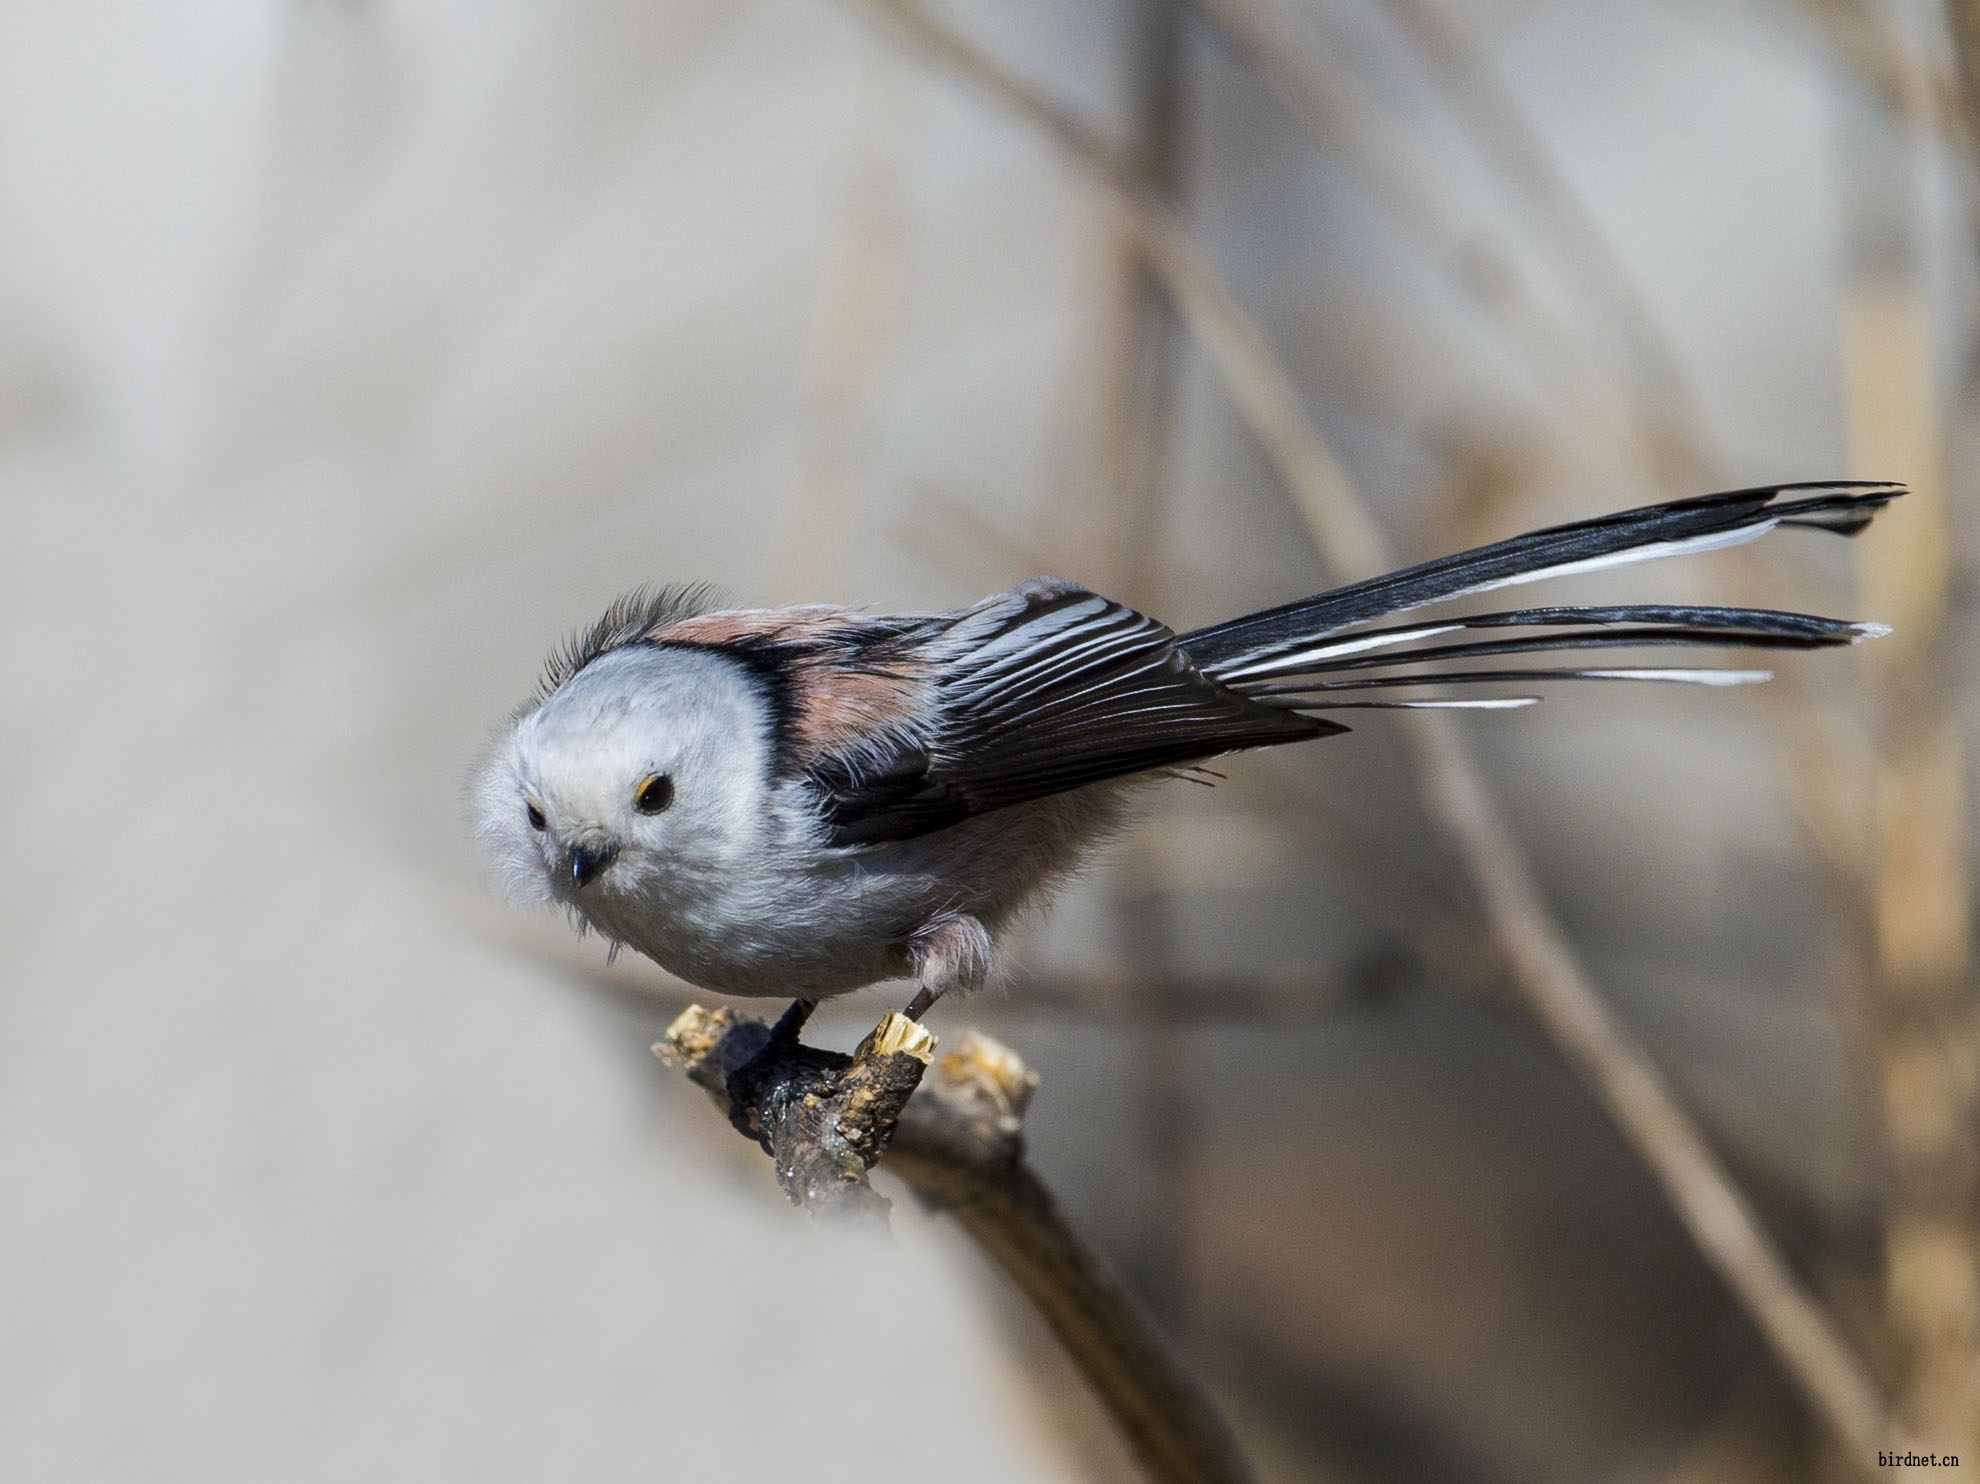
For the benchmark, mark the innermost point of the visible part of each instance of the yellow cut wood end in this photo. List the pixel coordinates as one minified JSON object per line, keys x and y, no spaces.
{"x":898,"y":1033}
{"x":693,"y":1035}
{"x":992,"y":1065}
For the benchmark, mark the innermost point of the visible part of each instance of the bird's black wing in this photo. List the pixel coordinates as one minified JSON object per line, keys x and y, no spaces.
{"x":1051,"y":687}
{"x":1037,"y":691}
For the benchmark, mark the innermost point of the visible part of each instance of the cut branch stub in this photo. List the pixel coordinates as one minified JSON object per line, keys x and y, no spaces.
{"x":970,"y":1118}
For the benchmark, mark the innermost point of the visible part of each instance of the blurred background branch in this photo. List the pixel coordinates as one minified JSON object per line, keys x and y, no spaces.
{"x":1644,"y":416}
{"x":1543,"y":965}
{"x":1920,"y":1012}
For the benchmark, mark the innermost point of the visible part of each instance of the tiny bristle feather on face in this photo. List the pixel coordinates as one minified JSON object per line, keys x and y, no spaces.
{"x":803,"y":801}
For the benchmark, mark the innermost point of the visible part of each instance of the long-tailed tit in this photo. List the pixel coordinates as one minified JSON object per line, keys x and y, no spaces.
{"x":803,"y":801}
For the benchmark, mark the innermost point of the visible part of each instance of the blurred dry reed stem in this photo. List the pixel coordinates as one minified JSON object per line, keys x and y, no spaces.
{"x":852,"y":342}
{"x":1130,"y":487}
{"x":1919,"y":1015}
{"x":958,"y":1142}
{"x":1641,"y":421}
{"x":1964,"y":16}
{"x":1508,"y":143}
{"x":1551,"y":982}
{"x":1860,"y":35}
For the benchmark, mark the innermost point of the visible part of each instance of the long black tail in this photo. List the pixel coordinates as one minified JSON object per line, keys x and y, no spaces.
{"x":1318,"y":653}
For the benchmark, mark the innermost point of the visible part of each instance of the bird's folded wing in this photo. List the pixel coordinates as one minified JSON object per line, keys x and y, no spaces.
{"x":1037,"y":691}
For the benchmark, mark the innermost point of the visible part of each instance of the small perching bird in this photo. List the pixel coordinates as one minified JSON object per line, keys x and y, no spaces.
{"x":803,"y":801}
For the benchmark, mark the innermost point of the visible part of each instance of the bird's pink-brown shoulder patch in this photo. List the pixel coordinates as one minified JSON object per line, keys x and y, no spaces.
{"x":841,"y":709}
{"x":851,"y":684}
{"x":742,"y":627}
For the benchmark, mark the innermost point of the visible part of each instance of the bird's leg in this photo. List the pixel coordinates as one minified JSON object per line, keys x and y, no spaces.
{"x":949,"y":951}
{"x":792,"y":1021}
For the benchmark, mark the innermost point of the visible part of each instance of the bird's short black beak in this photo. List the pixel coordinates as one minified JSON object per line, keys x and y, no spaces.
{"x":590,"y":858}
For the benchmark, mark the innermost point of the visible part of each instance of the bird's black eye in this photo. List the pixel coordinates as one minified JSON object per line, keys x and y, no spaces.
{"x":655,"y":793}
{"x":536,"y":819}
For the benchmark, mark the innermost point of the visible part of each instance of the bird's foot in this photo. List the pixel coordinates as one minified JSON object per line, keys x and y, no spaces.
{"x":923,"y":999}
{"x":949,"y":951}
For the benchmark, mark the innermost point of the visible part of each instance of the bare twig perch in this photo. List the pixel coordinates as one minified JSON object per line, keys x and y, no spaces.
{"x":959,"y":1144}
{"x":823,"y":1118}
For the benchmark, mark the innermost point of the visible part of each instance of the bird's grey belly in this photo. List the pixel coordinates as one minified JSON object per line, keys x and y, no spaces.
{"x":814,"y":923}
{"x":812,"y":933}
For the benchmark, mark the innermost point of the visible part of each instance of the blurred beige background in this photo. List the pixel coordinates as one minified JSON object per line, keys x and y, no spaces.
{"x":351,"y":351}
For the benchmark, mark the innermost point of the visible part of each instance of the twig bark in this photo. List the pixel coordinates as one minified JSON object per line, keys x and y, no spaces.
{"x":823,"y":1118}
{"x":1545,"y":970}
{"x":959,"y":1145}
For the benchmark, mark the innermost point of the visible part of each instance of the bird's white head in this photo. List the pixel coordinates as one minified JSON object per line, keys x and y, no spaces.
{"x":641,"y":775}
